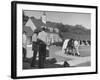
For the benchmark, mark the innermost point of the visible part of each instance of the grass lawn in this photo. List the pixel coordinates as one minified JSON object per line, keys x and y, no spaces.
{"x":84,"y":52}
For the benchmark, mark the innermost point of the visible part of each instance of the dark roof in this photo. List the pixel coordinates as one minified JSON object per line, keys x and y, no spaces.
{"x":28,"y":30}
{"x":38,"y":23}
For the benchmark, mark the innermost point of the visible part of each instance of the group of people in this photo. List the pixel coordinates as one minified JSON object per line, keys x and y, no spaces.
{"x":70,"y":47}
{"x":38,"y":47}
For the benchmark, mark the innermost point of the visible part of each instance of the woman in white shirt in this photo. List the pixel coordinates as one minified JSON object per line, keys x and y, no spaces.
{"x":24,"y":44}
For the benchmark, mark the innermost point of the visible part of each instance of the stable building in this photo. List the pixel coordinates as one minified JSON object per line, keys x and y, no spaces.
{"x":32,"y":24}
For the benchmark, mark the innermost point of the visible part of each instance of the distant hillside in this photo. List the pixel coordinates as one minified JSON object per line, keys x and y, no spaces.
{"x":66,"y":31}
{"x":76,"y":32}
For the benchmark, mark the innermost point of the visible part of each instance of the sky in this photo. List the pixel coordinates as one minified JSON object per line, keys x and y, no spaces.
{"x":70,"y":18}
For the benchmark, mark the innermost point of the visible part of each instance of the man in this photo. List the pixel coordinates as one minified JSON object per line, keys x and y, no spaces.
{"x":35,"y":48}
{"x":64,"y":47}
{"x":42,"y":39}
{"x":70,"y":47}
{"x":76,"y":46}
{"x":24,"y":43}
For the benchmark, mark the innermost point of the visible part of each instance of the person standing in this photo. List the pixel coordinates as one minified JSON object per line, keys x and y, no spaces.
{"x":24,"y":44}
{"x":70,"y":46}
{"x":76,"y":46}
{"x":35,"y":48}
{"x":64,"y":47}
{"x":42,"y":39}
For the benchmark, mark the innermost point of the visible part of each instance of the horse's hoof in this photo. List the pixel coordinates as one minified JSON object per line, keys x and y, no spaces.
{"x":78,"y":55}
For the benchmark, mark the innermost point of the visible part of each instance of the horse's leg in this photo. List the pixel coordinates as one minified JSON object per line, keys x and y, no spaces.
{"x":68,"y":51}
{"x":65,"y":51}
{"x":73,"y":51}
{"x":77,"y":52}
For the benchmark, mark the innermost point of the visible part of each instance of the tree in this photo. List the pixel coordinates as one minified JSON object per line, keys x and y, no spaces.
{"x":25,"y":18}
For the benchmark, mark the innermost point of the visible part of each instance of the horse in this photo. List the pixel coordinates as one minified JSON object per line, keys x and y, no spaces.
{"x":76,"y":46}
{"x":64,"y":47}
